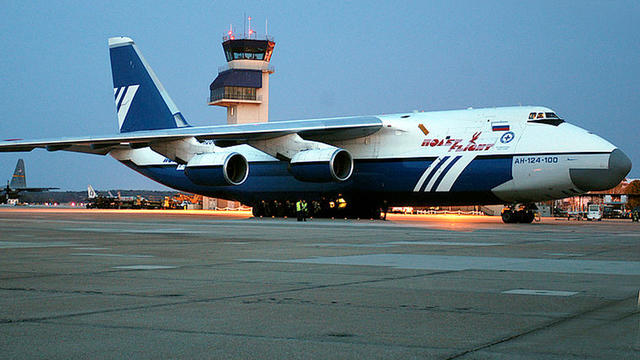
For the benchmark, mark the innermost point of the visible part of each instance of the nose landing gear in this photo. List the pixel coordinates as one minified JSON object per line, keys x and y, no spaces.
{"x":524,"y":214}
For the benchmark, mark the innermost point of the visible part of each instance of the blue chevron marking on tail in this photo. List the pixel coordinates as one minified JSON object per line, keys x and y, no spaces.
{"x":142,"y":103}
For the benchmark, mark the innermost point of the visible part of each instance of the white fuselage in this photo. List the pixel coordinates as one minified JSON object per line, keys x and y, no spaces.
{"x":448,"y":152}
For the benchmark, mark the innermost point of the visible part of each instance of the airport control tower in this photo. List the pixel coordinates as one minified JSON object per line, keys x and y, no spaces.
{"x":242,"y":86}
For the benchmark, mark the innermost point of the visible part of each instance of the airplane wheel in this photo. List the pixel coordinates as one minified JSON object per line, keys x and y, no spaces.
{"x":291,"y":210}
{"x":527,"y":217}
{"x":255,"y":211}
{"x":508,"y":217}
{"x":376,"y":213}
{"x":365,"y":211}
{"x":266,"y":212}
{"x":279,"y":209}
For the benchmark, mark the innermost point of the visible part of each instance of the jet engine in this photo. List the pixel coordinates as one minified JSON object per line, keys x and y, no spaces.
{"x":217,"y":169}
{"x":322,"y":165}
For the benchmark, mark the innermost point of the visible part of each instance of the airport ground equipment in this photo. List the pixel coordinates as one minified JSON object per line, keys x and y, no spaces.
{"x":509,"y":155}
{"x":110,"y":201}
{"x":523,"y":213}
{"x":594,"y":212}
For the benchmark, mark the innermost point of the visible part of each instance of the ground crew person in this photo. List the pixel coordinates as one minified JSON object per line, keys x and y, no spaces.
{"x":299,"y":210}
{"x":305,"y":210}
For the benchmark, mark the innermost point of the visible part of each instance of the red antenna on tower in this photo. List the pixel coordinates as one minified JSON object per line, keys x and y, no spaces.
{"x":250,"y":29}
{"x":230,"y":33}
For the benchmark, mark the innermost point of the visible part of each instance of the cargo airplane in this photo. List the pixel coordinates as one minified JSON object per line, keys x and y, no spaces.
{"x":18,"y":184}
{"x":511,"y":155}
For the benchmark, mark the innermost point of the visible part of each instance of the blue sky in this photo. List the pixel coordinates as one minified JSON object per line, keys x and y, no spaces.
{"x":580,"y":58}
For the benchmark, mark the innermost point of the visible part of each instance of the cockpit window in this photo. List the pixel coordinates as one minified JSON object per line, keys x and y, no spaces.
{"x":548,"y":118}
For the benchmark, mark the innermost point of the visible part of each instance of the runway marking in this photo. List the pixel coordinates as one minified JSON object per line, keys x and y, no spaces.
{"x":561,"y":239}
{"x":350,"y":245}
{"x":140,"y":231}
{"x":24,"y":245}
{"x":540,"y":292}
{"x":459,"y":263}
{"x":113,"y":255}
{"x":565,"y":254}
{"x":144,"y":267}
{"x":446,"y":243}
{"x":90,"y":248}
{"x":397,"y":243}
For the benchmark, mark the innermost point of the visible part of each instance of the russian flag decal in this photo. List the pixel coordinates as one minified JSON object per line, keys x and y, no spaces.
{"x":500,"y":126}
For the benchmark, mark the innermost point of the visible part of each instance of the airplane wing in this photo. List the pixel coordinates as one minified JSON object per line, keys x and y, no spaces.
{"x":317,"y":130}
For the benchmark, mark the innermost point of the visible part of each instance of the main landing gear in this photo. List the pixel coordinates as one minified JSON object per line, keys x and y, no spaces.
{"x":337,"y":208}
{"x":524,"y":214}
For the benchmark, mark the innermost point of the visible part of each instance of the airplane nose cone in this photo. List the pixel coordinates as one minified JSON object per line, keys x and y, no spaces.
{"x":620,"y":163}
{"x":603,"y":179}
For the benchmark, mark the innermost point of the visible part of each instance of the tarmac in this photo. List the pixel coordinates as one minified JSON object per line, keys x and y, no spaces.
{"x":222,"y":285}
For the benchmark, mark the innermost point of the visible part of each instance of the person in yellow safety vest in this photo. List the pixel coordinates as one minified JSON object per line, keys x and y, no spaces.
{"x":301,"y":210}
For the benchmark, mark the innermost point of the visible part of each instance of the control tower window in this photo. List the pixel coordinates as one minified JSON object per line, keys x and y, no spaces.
{"x":233,"y":92}
{"x":247,"y":49}
{"x":248,"y":55}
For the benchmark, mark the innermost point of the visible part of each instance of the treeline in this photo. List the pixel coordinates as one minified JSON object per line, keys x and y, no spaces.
{"x":81,"y":196}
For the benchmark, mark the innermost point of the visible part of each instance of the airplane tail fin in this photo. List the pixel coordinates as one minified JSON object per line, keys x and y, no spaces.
{"x":19,"y":179}
{"x":141,"y":100}
{"x":91,"y":193}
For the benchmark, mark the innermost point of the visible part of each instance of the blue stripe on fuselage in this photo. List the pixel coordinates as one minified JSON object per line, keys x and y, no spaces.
{"x":444,"y":173}
{"x":435,"y":170}
{"x":484,"y":173}
{"x":375,"y":177}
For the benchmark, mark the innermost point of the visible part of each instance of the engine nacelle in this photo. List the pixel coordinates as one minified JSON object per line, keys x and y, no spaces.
{"x":217,"y":169}
{"x":322,"y":165}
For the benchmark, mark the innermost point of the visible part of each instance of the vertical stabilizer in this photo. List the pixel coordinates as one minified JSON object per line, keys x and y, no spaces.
{"x":91,"y":193}
{"x":19,"y":179}
{"x":142,"y":102}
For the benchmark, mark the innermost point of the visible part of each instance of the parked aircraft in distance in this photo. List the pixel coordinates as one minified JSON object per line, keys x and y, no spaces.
{"x":94,"y":200}
{"x":110,"y":201}
{"x":18,"y":184}
{"x":510,"y":155}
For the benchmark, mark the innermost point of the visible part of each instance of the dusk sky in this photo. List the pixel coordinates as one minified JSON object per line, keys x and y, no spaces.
{"x":580,"y":58}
